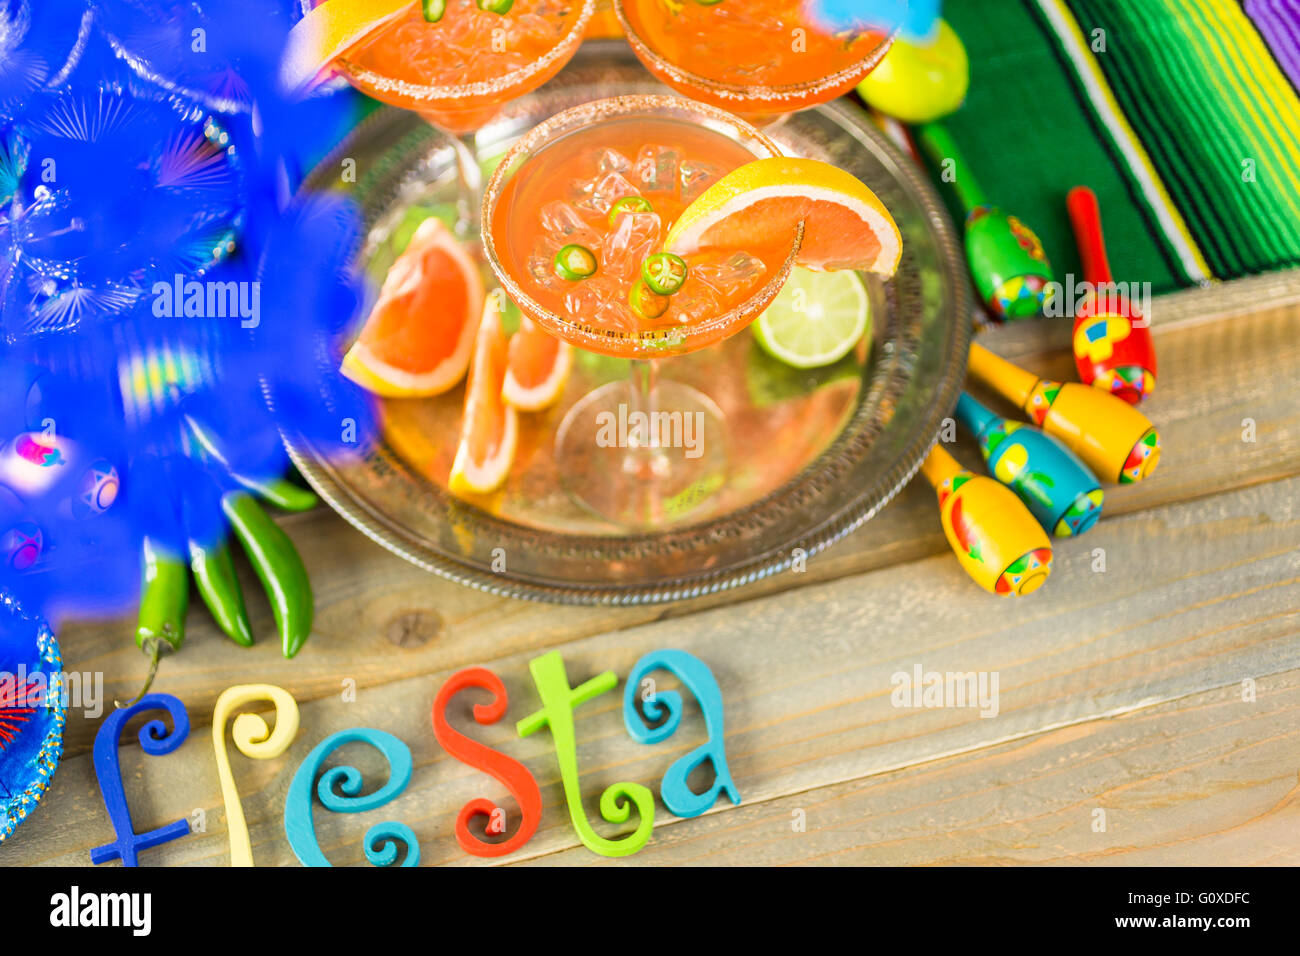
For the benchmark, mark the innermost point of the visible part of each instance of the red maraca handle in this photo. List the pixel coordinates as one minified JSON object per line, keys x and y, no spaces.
{"x":1085,"y":217}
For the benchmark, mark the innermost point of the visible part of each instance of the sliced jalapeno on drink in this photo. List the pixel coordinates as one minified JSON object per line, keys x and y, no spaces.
{"x":646,"y":303}
{"x":496,"y":6}
{"x":575,"y":263}
{"x":628,"y":204}
{"x":434,"y":9}
{"x":664,"y":272}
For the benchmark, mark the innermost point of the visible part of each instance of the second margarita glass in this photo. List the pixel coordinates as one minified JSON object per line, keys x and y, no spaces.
{"x":459,"y":71}
{"x":574,"y":221}
{"x":759,"y":58}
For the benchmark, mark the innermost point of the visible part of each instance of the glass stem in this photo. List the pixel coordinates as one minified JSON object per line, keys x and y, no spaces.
{"x":644,"y":457}
{"x":644,"y":373}
{"x":470,"y":177}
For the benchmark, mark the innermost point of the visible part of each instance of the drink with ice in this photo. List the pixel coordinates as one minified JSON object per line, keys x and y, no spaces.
{"x":615,"y":189}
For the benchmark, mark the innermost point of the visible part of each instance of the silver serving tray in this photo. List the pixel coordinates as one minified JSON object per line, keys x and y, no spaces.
{"x":815,"y":455}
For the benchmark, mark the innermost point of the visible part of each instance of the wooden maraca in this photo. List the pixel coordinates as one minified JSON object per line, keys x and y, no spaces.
{"x":1113,"y":438}
{"x":997,"y":541}
{"x":1006,"y":258}
{"x":1056,"y":487}
{"x":1112,"y":344}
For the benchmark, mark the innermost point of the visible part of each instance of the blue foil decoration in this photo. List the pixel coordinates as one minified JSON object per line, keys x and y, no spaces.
{"x":916,"y":18}
{"x":156,"y":277}
{"x":31,"y":712}
{"x":156,"y":741}
{"x":677,"y":796}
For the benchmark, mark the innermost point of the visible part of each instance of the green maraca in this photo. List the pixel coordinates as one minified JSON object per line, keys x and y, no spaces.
{"x":1006,"y":259}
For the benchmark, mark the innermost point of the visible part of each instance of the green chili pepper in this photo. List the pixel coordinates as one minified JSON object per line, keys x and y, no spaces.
{"x":575,"y":263}
{"x":708,"y":3}
{"x":214,"y":575}
{"x":281,"y":492}
{"x":278,"y":567}
{"x":164,"y":599}
{"x":496,"y":6}
{"x":646,"y":303}
{"x":628,"y":204}
{"x":434,"y":9}
{"x":664,"y":272}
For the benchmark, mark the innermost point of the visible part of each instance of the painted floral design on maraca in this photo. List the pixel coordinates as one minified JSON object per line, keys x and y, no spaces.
{"x":951,"y":485}
{"x":1041,"y":399}
{"x":1129,"y":378}
{"x":1142,"y":460}
{"x":966,"y":532}
{"x":1081,"y":515}
{"x":1026,"y":573}
{"x":1097,"y":337}
{"x":1028,"y":239}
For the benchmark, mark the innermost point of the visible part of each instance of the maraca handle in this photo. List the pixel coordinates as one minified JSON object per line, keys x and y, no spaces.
{"x":939,"y":466}
{"x":1010,"y":381}
{"x":939,"y":146}
{"x":1085,"y":217}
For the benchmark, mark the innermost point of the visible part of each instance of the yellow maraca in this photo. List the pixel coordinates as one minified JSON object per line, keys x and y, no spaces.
{"x":998,"y":542}
{"x":1112,"y":437}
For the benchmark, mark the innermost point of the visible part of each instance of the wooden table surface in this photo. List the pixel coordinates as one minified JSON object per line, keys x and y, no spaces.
{"x":1148,"y":713}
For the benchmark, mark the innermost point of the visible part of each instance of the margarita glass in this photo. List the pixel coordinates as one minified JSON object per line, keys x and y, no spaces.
{"x":573,"y":226}
{"x":458,"y":72}
{"x":759,"y":58}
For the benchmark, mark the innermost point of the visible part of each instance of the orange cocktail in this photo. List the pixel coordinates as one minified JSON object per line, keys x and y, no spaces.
{"x":603,"y":183}
{"x":460,"y":70}
{"x":457,"y":65}
{"x":760,"y":58}
{"x":574,"y":226}
{"x":613,"y":190}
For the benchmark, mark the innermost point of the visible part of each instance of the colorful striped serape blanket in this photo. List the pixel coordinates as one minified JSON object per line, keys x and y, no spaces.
{"x":1182,"y":115}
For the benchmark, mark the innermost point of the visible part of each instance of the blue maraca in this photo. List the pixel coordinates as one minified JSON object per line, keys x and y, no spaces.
{"x":1054,"y":484}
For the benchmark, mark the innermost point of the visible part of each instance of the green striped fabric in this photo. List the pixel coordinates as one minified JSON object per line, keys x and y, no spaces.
{"x":1191,"y":76}
{"x":1173,"y":111}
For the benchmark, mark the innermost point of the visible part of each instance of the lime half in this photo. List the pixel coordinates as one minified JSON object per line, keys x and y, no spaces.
{"x":816,"y":320}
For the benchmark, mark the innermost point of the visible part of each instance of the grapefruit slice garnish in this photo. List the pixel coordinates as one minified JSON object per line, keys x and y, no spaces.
{"x":489,"y":430}
{"x":760,"y":205}
{"x":326,"y":31}
{"x":537,"y":368}
{"x":418,"y":337}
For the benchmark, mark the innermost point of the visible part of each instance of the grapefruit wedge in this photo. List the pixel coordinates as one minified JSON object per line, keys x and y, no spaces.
{"x":418,"y":337}
{"x":537,"y":368}
{"x":489,"y":430}
{"x":325,"y":32}
{"x":761,"y":204}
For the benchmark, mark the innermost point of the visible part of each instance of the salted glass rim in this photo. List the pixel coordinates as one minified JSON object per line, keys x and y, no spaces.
{"x":651,"y":105}
{"x":743,"y":93}
{"x":379,"y":82}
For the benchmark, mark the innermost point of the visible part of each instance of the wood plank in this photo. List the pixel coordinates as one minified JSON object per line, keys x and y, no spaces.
{"x":378,"y":616}
{"x":1206,"y":779}
{"x":807,"y":678}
